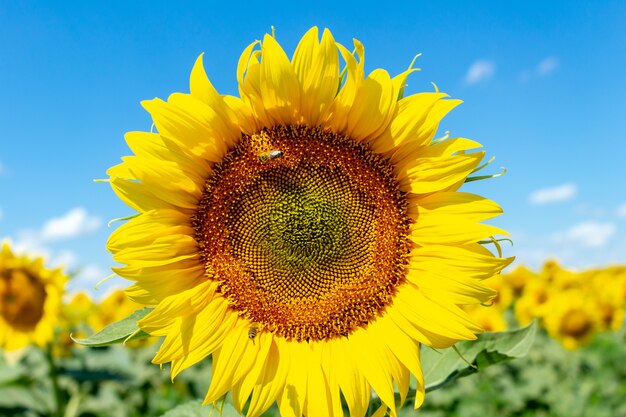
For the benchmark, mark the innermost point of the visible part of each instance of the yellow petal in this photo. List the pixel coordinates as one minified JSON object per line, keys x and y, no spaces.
{"x":279,"y":86}
{"x":227,"y":360}
{"x":135,"y":194}
{"x":447,"y":322}
{"x":473,"y":261}
{"x":191,"y":301}
{"x":210,"y":329}
{"x":406,"y":132}
{"x":318,"y":398}
{"x":241,"y":391}
{"x":336,"y":117}
{"x":470,"y":206}
{"x":427,"y":175}
{"x":157,"y":149}
{"x":148,"y":226}
{"x":271,"y":381}
{"x":371,"y":359}
{"x":317,"y":69}
{"x":374,"y":106}
{"x":164,"y":278}
{"x":354,"y":386}
{"x":451,"y":230}
{"x":450,"y":147}
{"x":292,"y":399}
{"x":198,"y":129}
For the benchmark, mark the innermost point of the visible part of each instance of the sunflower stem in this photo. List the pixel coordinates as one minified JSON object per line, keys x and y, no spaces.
{"x":54,"y":377}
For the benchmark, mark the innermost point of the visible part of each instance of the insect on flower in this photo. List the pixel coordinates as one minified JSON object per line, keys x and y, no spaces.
{"x":273,"y":154}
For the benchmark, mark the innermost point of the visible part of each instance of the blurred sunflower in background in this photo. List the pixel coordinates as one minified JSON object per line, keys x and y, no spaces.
{"x":573,"y":318}
{"x":309,"y":234}
{"x":114,"y":307}
{"x":30,"y":300}
{"x":73,"y":323}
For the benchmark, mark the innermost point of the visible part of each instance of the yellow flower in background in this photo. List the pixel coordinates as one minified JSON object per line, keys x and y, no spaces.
{"x":517,"y":279}
{"x":572,"y":318}
{"x":79,"y":309}
{"x":308,"y":235}
{"x":30,"y":300}
{"x":532,"y":302}
{"x":504,"y":298}
{"x":606,"y":288}
{"x":559,"y":278}
{"x":114,"y":306}
{"x":490,"y":318}
{"x":73,"y":322}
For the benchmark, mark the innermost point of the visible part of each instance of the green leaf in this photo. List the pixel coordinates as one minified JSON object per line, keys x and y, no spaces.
{"x":196,"y":409}
{"x":121,"y":331}
{"x":443,"y":366}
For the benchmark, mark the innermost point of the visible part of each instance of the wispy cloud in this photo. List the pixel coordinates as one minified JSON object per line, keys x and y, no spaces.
{"x":65,"y":258}
{"x":547,"y":66}
{"x":91,"y":274}
{"x":74,"y":223}
{"x":588,"y":234}
{"x":621,"y":210}
{"x":556,"y":194}
{"x":480,"y":70}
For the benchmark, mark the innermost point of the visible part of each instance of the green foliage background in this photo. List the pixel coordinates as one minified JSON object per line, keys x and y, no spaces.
{"x":119,"y":381}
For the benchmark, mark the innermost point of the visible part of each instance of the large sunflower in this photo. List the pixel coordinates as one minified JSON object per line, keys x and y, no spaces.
{"x":308,"y":235}
{"x":30,"y":300}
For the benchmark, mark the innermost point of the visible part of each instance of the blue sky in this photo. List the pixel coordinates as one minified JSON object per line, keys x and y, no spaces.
{"x":543,"y":85}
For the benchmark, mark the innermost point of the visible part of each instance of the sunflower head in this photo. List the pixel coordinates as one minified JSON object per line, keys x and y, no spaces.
{"x":573,"y":318}
{"x":533,"y":302}
{"x":308,"y":234}
{"x":490,"y":318}
{"x":606,"y":287}
{"x":518,"y":278}
{"x":30,"y":300}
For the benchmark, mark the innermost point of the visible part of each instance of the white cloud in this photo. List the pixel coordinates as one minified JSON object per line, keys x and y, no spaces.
{"x":74,"y":223}
{"x":546,"y":66}
{"x":621,"y":210}
{"x":479,"y":71}
{"x":86,"y":278}
{"x":65,"y":258}
{"x":91,"y":274}
{"x":29,"y":241}
{"x":587,"y":234}
{"x":556,"y":194}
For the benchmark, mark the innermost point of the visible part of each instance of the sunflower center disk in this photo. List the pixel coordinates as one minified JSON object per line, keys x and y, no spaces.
{"x":22,"y":299}
{"x":305,"y":230}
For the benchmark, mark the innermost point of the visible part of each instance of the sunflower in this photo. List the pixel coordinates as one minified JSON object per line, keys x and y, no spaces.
{"x":30,"y":300}
{"x":606,"y":289}
{"x":308,"y":235}
{"x":532,"y":303}
{"x":490,"y":318}
{"x":73,"y":323}
{"x":114,"y":307}
{"x":573,"y":318}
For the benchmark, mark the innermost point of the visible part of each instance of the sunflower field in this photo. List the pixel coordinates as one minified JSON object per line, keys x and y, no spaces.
{"x":308,"y":247}
{"x":571,"y":362}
